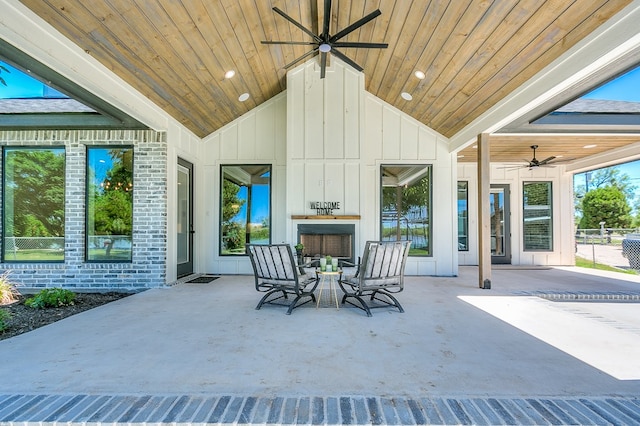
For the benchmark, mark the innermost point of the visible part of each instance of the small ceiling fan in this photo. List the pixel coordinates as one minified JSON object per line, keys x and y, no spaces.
{"x":325,"y":43}
{"x":534,"y":162}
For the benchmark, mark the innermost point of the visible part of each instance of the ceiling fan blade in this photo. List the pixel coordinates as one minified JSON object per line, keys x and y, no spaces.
{"x":360,"y":44}
{"x":323,"y":64}
{"x":288,"y":42}
{"x":326,"y":18}
{"x":546,"y":160}
{"x":295,"y":61}
{"x":297,"y":24}
{"x":346,"y":59}
{"x":514,"y":167}
{"x":360,"y":22}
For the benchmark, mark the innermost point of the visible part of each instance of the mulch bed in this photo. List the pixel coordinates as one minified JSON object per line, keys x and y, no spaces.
{"x":24,"y":319}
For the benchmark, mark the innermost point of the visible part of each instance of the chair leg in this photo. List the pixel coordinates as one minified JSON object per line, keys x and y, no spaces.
{"x":292,"y":305}
{"x":266,"y":296}
{"x":364,"y":306}
{"x":394,"y":301}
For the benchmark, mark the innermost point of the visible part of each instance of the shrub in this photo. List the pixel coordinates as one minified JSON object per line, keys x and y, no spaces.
{"x":8,"y":291}
{"x":51,"y":298}
{"x":4,"y":317}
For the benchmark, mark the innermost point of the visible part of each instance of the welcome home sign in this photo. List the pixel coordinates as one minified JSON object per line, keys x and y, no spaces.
{"x":323,"y":208}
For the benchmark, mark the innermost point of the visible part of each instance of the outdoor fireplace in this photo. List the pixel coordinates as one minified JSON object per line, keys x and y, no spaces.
{"x":335,"y":240}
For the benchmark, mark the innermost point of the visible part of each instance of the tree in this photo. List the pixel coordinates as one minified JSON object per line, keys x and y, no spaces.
{"x":233,"y":232}
{"x":607,"y":204}
{"x":114,"y":197}
{"x":406,"y":208}
{"x":609,"y":176}
{"x":36,"y":180}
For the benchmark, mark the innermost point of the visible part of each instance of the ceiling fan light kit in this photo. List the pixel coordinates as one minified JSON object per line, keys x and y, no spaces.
{"x":326,"y":43}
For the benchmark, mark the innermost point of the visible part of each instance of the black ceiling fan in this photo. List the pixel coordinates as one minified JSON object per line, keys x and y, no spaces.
{"x":325,"y":43}
{"x":549,"y":161}
{"x":534,"y":161}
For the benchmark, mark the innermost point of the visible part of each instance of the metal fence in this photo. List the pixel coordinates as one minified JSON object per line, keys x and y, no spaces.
{"x":617,"y":247}
{"x":52,"y":248}
{"x":33,"y":248}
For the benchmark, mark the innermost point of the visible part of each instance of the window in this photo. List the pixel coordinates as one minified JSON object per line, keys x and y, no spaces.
{"x":245,"y":207}
{"x":463,"y":216}
{"x":406,"y":206}
{"x":33,"y":208}
{"x":109,"y":204}
{"x":538,"y":225}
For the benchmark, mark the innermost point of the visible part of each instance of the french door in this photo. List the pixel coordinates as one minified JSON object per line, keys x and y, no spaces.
{"x":185,"y":218}
{"x":500,"y":225}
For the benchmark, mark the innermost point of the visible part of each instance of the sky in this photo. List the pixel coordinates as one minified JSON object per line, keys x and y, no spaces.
{"x":259,"y":206}
{"x":21,"y":85}
{"x":624,"y":88}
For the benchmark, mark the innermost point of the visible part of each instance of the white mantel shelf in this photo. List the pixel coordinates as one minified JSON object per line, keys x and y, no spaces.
{"x":324,"y":217}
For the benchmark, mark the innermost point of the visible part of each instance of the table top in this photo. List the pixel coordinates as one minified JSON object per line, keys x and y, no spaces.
{"x":339,"y":271}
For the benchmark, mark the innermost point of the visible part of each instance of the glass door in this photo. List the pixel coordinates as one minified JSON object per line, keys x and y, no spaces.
{"x":500,"y":229}
{"x":185,"y":218}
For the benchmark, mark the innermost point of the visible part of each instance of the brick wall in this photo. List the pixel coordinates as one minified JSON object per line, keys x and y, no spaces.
{"x":149,"y":255}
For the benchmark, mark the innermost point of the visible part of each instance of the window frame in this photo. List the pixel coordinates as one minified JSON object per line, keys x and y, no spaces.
{"x":269,"y":170}
{"x":3,"y":256}
{"x":429,"y":206}
{"x":466,"y":217}
{"x":524,"y":218}
{"x":87,"y":201}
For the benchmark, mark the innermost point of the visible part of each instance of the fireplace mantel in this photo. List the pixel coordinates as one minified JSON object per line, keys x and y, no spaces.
{"x":324,"y":217}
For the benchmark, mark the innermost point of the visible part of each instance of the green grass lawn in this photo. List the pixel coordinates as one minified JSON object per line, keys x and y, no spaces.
{"x":34,"y":255}
{"x":585,"y":263}
{"x":44,"y":255}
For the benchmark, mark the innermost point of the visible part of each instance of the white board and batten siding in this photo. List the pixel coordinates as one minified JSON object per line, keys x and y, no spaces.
{"x":326,"y":139}
{"x":258,"y":137}
{"x":338,"y":137}
{"x":563,"y":251}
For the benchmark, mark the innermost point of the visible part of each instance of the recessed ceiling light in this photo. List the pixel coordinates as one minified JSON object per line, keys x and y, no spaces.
{"x":229,"y":74}
{"x":590,"y":146}
{"x":420,"y":75}
{"x":243,"y":97}
{"x":475,"y":146}
{"x":460,"y":155}
{"x":406,"y":96}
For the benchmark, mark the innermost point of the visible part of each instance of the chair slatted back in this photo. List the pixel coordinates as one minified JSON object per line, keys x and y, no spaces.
{"x":383,"y":263}
{"x":273,"y":264}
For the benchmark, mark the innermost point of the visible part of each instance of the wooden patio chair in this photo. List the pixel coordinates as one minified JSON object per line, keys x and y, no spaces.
{"x":276,"y":273}
{"x":380,"y":273}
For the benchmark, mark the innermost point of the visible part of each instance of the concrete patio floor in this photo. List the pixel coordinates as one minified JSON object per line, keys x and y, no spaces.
{"x":456,"y":345}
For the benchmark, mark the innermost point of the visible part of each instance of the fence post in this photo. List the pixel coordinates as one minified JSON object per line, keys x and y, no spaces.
{"x":15,"y":249}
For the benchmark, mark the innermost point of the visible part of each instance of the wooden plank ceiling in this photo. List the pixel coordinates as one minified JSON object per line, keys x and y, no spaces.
{"x":473,"y":52}
{"x":516,"y":149}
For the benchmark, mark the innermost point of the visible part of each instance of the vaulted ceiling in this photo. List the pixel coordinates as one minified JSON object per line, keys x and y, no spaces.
{"x":473,"y":52}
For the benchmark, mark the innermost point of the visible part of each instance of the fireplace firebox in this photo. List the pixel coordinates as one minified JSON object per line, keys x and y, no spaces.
{"x":334,"y":240}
